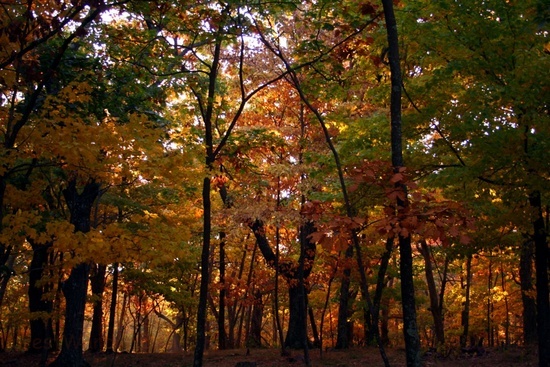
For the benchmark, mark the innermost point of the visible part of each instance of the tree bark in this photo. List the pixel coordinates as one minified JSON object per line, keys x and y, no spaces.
{"x":410,"y":329}
{"x":296,"y":333}
{"x":222,"y":337}
{"x":97,"y":282}
{"x":112,"y":310}
{"x":254,"y":336}
{"x":529,"y":316}
{"x":541,"y":270}
{"x":380,"y":285}
{"x":435,"y":307}
{"x":40,"y":323}
{"x":466,"y":311}
{"x":342,"y":335}
{"x":76,"y":285}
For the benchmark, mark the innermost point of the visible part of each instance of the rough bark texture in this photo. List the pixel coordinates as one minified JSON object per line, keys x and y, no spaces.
{"x":75,"y":287}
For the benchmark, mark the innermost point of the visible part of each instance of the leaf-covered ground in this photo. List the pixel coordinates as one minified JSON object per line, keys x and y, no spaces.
{"x":513,"y":357}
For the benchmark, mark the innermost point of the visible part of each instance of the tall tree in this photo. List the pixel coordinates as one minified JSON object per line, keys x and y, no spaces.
{"x":76,"y":285}
{"x":410,"y":328}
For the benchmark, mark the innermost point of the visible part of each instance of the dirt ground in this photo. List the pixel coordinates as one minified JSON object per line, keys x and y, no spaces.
{"x":513,"y":357}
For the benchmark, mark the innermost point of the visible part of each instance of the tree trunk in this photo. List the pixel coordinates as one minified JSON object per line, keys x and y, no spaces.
{"x":205,"y":276}
{"x":296,"y":333}
{"x":314,"y":331}
{"x":145,"y":342}
{"x":466,"y":311}
{"x":489,"y":315}
{"x":380,"y":285}
{"x":529,"y":316}
{"x":541,"y":270}
{"x":41,"y":322}
{"x":410,"y":329}
{"x":112,"y":310}
{"x":342,"y":335}
{"x":74,"y":290}
{"x":435,"y":307}
{"x":507,"y":307}
{"x":254,"y":337}
{"x":76,"y":285}
{"x":97,"y":282}
{"x":221,"y":313}
{"x":298,"y":316}
{"x":120,"y":326}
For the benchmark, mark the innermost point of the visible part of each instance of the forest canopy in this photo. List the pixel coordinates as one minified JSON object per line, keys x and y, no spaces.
{"x":192,"y":175}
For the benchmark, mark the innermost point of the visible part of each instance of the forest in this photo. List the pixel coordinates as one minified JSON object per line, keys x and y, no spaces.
{"x":301,"y":177}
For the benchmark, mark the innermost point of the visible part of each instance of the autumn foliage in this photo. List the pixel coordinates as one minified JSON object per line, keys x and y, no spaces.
{"x":179,"y":176}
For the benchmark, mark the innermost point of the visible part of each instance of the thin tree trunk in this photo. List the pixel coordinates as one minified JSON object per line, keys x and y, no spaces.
{"x":314,"y":330}
{"x":507,"y":307}
{"x":112,"y":310}
{"x":410,"y":328}
{"x":323,"y":312}
{"x":489,"y":308}
{"x":466,"y":311}
{"x":380,"y":285}
{"x":120,"y":326}
{"x":435,"y":307}
{"x":222,"y":337}
{"x":276,"y":291}
{"x":205,"y":257}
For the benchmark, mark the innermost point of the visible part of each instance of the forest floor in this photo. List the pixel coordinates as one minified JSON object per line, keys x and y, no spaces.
{"x":513,"y":357}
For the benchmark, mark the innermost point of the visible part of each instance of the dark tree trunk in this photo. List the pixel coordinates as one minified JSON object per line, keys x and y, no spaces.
{"x":97,"y":282}
{"x":526,"y":283}
{"x":41,"y":323}
{"x":541,"y":270}
{"x":221,"y":313}
{"x":205,"y":276}
{"x":75,"y":287}
{"x":410,"y":329}
{"x":385,"y":319}
{"x":380,"y":285}
{"x":112,"y":310}
{"x":466,"y":311}
{"x":342,"y":336}
{"x":295,"y":337}
{"x":254,"y":339}
{"x":314,"y":331}
{"x":296,"y":333}
{"x":435,"y":307}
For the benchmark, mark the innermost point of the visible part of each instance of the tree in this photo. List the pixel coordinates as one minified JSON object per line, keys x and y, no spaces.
{"x":410,"y":329}
{"x":76,"y":285}
{"x":487,"y":114}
